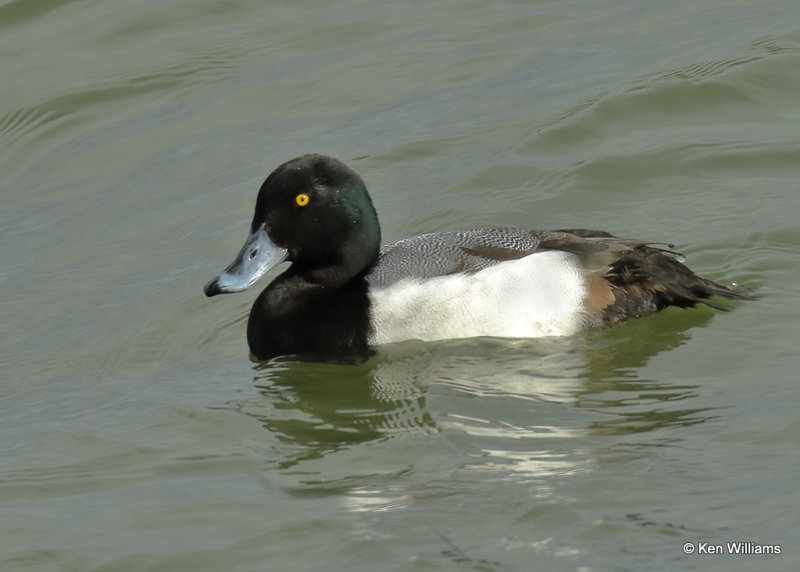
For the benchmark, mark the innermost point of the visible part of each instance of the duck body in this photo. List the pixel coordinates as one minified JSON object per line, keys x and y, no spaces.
{"x":343,"y":294}
{"x":296,"y":316}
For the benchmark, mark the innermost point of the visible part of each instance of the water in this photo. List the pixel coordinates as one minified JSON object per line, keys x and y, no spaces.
{"x":137,"y":435}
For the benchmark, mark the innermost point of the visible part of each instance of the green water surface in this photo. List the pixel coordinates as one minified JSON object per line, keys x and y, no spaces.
{"x":135,"y":433}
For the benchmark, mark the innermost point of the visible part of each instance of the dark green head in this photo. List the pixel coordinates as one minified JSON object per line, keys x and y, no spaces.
{"x":315,"y":212}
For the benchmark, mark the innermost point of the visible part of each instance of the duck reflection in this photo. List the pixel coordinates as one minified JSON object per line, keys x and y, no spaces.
{"x":612,"y":384}
{"x":327,"y":407}
{"x":488,"y":389}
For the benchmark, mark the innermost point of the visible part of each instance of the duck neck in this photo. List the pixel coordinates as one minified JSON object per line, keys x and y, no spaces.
{"x":331,"y":275}
{"x":336,"y":269}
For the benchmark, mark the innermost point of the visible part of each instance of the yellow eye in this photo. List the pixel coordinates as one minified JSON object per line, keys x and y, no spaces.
{"x":301,"y":199}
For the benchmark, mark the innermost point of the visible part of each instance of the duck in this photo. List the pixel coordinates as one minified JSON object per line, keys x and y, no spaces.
{"x":344,"y":294}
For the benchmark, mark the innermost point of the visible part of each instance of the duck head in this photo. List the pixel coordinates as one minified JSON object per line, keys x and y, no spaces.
{"x":314,"y":212}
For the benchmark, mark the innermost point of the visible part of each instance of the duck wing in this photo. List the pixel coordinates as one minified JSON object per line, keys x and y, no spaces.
{"x":468,"y":251}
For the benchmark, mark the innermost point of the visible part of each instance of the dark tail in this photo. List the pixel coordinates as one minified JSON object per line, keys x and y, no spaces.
{"x":647,"y":279}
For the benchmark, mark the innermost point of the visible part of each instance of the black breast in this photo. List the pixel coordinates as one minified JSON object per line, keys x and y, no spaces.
{"x":295,"y":317}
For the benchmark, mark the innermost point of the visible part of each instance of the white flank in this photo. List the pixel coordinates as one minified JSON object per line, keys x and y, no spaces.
{"x":539,"y":295}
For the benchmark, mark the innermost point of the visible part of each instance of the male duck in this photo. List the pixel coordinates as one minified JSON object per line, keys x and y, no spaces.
{"x":344,"y":293}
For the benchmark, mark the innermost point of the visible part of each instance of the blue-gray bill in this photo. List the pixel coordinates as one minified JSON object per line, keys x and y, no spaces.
{"x":257,"y":256}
